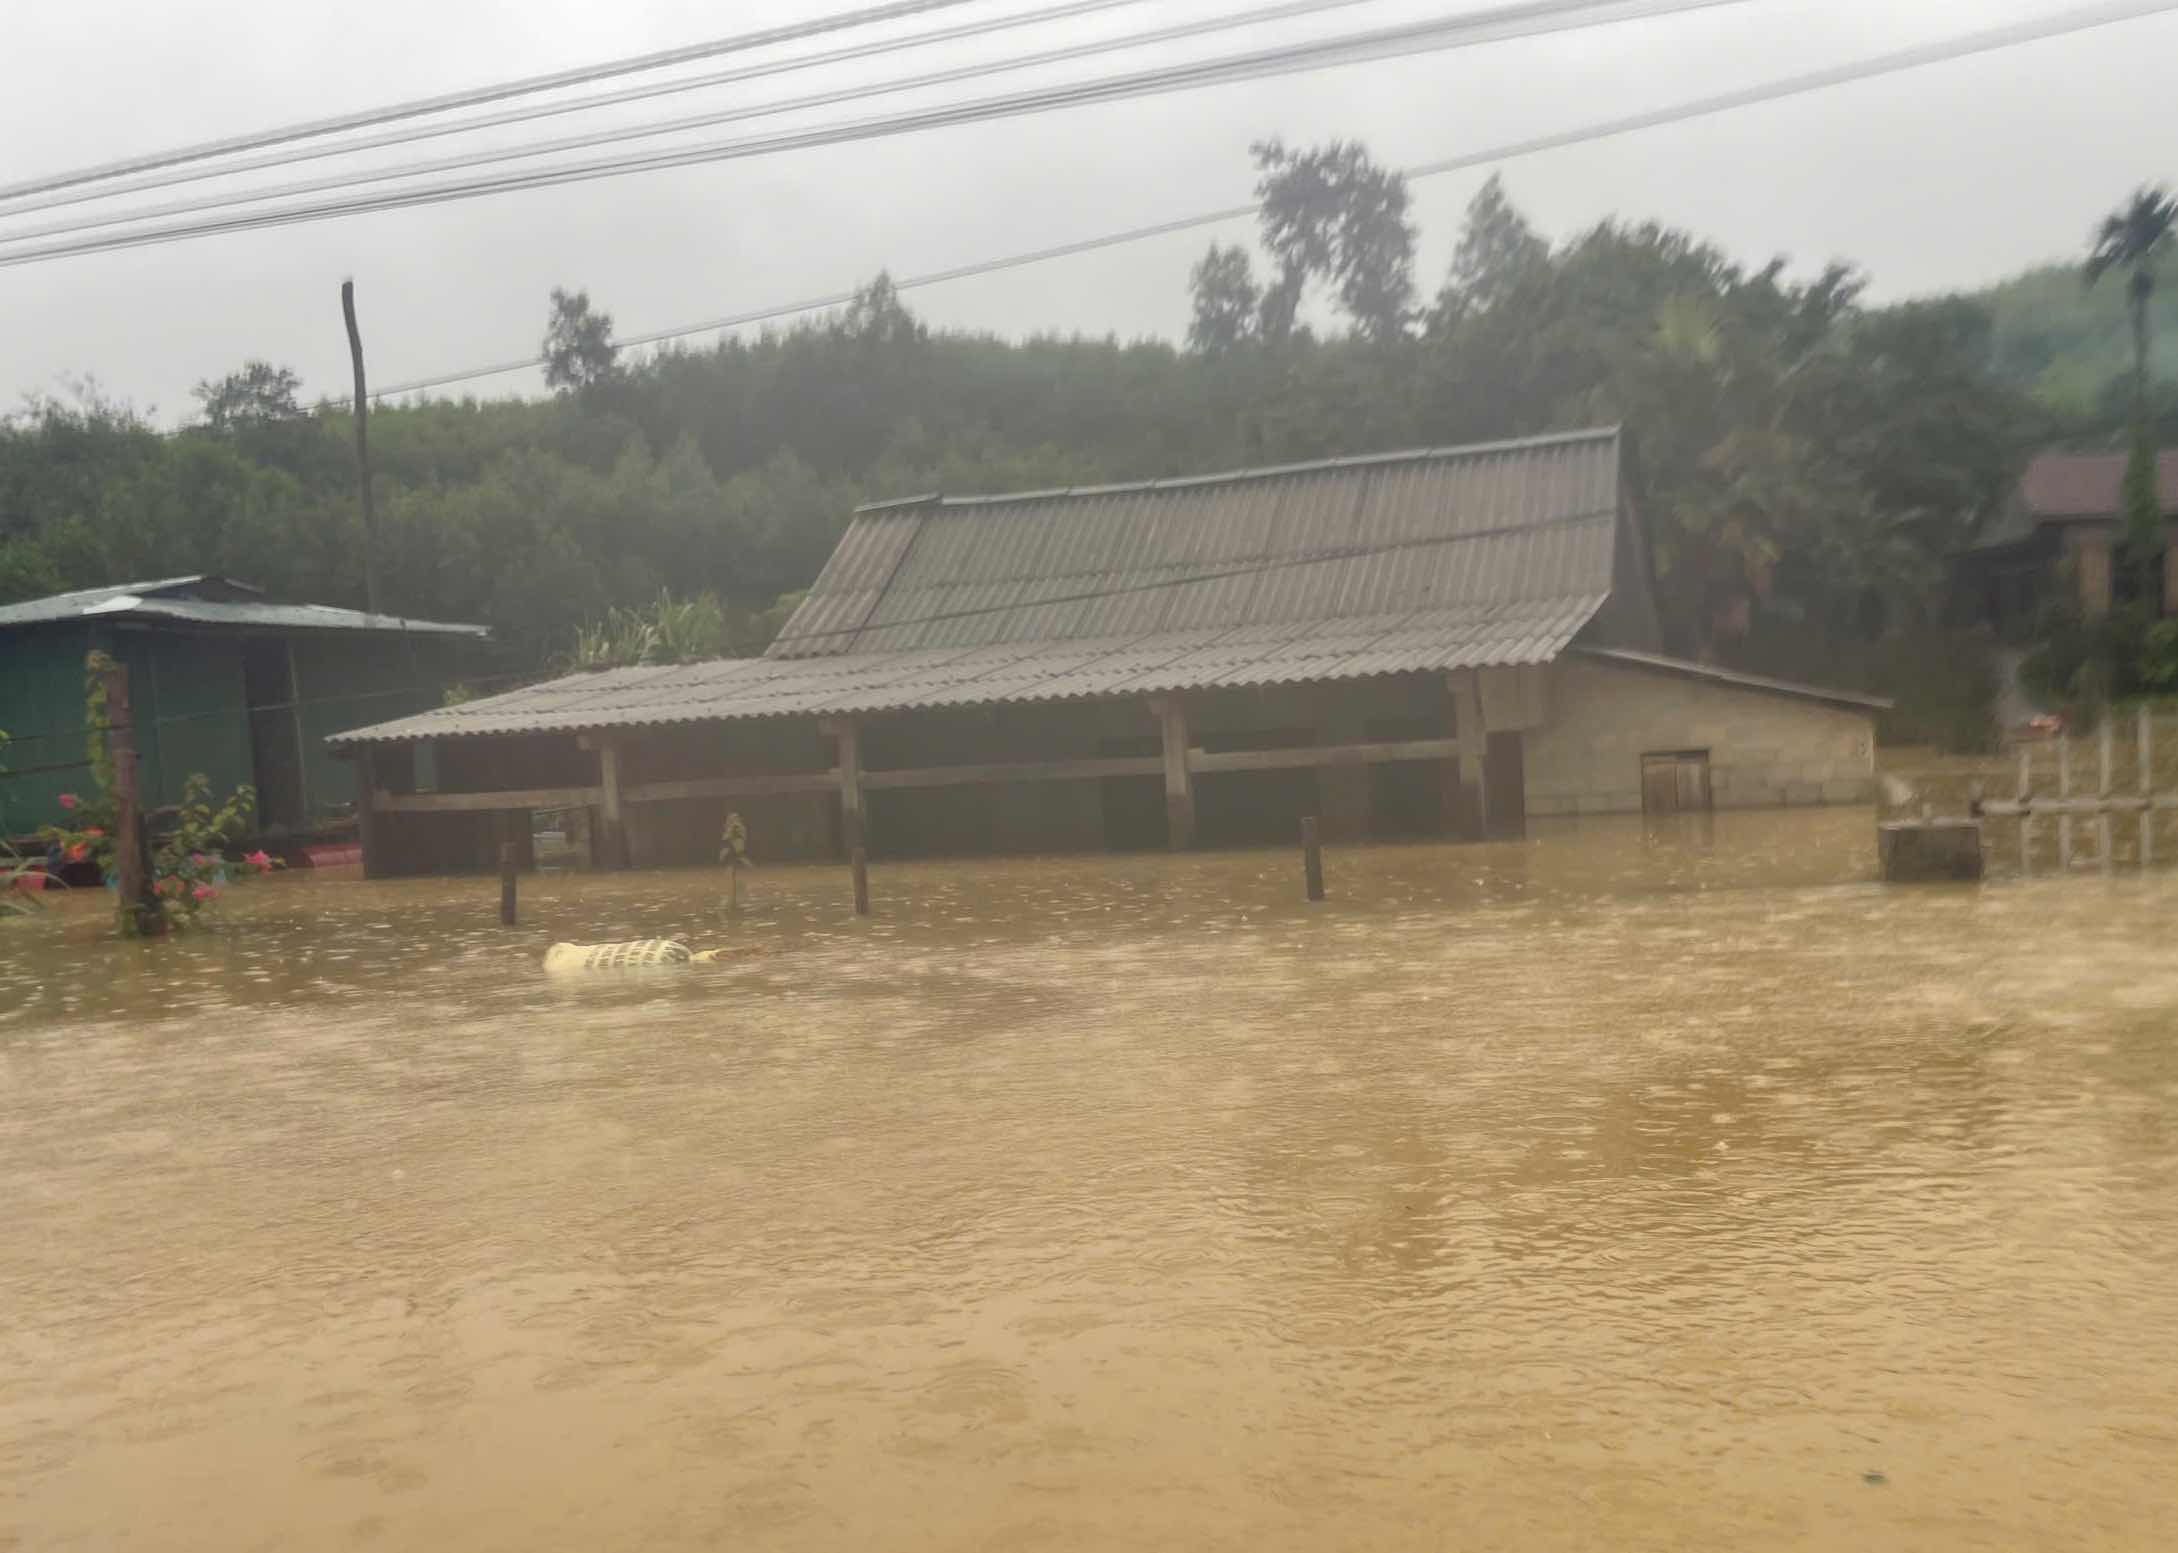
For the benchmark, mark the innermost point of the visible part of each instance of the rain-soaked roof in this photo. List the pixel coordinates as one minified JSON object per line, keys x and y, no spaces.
{"x":1399,"y":563}
{"x":212,"y":601}
{"x":731,"y":689}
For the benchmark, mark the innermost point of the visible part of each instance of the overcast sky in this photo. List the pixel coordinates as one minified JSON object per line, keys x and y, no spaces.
{"x":1936,"y":179}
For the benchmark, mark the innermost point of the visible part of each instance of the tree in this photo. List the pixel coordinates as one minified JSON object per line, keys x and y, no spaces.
{"x":1227,"y":299}
{"x":1498,"y":252}
{"x":877,"y":317}
{"x":1335,"y":216}
{"x":257,"y":392}
{"x":578,"y":343}
{"x":2136,"y":238}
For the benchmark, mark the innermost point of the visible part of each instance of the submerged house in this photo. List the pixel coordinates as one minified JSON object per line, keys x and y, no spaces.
{"x":1446,"y":642}
{"x":223,"y":681}
{"x":2061,"y":529}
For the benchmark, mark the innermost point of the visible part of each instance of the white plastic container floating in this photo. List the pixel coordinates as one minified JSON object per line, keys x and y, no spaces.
{"x":635,"y":954}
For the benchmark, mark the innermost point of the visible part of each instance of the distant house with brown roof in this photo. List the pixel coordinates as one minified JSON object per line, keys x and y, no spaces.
{"x":1450,"y":641}
{"x":2064,"y":519}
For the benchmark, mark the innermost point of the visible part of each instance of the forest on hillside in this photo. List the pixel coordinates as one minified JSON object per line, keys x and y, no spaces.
{"x":1805,"y":461}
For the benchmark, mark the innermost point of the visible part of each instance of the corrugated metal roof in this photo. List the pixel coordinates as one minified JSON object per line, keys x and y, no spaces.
{"x":1291,"y":652}
{"x":1657,"y":663}
{"x":2090,"y":485}
{"x":1445,"y":528}
{"x":206,"y":600}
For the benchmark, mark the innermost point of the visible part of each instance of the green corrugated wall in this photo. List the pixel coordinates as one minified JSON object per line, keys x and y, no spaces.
{"x":191,"y":710}
{"x":41,"y":708}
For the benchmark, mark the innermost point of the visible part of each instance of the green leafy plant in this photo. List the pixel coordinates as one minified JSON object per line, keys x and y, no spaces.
{"x":666,"y":630}
{"x":187,"y":864}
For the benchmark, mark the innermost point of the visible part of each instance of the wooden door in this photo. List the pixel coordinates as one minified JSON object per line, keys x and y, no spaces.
{"x":1676,"y":782}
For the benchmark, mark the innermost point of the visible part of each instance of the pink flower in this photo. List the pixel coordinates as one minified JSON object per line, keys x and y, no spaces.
{"x":77,"y":852}
{"x":259,"y":861}
{"x":93,"y":830}
{"x":68,"y":800}
{"x":196,"y":859}
{"x":203,"y":893}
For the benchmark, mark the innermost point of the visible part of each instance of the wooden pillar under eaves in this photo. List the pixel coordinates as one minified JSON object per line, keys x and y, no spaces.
{"x":1469,"y":799}
{"x":854,"y":820}
{"x":612,"y":816}
{"x":1171,"y":714}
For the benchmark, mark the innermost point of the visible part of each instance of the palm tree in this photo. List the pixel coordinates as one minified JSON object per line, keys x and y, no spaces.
{"x":2135,"y":238}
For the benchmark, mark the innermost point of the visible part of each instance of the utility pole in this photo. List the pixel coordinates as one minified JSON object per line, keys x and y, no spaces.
{"x":362,"y":449}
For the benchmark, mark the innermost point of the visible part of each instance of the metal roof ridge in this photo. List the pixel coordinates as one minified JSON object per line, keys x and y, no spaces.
{"x":1635,"y":658}
{"x":1261,"y":472}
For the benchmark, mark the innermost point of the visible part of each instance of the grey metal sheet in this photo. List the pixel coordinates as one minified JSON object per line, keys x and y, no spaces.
{"x":739,"y":689}
{"x":1350,"y":537}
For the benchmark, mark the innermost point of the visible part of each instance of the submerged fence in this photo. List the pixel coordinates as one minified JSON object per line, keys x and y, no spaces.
{"x":2119,"y":808}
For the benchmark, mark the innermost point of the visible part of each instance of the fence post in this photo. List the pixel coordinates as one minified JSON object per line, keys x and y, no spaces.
{"x":2026,"y":814}
{"x":2104,"y":833}
{"x":2147,"y":784}
{"x":509,"y":865}
{"x":2064,"y":791}
{"x":1312,"y":858}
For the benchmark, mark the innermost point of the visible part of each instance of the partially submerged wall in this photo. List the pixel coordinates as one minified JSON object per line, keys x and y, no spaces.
{"x":1766,"y":748}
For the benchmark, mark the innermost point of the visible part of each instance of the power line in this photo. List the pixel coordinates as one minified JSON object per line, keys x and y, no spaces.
{"x":1465,"y":31}
{"x":475,"y":96}
{"x":1062,"y":55}
{"x":306,"y":152}
{"x":1964,"y":46}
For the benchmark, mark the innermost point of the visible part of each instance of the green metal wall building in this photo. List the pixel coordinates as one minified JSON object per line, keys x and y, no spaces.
{"x":223,"y":681}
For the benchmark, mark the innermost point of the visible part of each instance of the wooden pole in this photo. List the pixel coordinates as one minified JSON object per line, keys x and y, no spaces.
{"x":2064,"y":790}
{"x":1473,"y":807}
{"x":1171,"y":713}
{"x":853,"y":815}
{"x":509,"y":871}
{"x":2146,"y":728}
{"x":2104,"y":749}
{"x":362,"y":449}
{"x":859,"y":862}
{"x":614,"y":852}
{"x":132,"y":869}
{"x":1312,"y":858}
{"x":2026,"y":818}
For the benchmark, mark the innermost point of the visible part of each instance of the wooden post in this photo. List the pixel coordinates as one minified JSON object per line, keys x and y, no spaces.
{"x":1311,"y":858}
{"x":509,"y":860}
{"x":858,"y":861}
{"x":132,"y":869}
{"x":362,"y":449}
{"x":612,"y":850}
{"x":1171,"y":714}
{"x":2103,"y":822}
{"x":1471,"y":798}
{"x":853,"y":816}
{"x":369,"y":826}
{"x":2064,"y":790}
{"x":2026,"y":816}
{"x":2146,"y":725}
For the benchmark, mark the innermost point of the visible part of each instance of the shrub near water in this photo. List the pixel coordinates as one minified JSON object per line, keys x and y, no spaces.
{"x":188,"y":865}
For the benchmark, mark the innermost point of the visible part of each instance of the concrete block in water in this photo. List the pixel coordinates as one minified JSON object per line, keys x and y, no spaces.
{"x":1916,"y":850}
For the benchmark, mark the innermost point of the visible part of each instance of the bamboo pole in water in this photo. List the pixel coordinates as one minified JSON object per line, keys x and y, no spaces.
{"x":2105,"y":747}
{"x":507,"y":873}
{"x":2064,"y":790}
{"x":1311,"y":858}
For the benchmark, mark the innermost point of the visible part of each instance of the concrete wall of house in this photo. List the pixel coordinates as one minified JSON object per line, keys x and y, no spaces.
{"x":1765,"y":749}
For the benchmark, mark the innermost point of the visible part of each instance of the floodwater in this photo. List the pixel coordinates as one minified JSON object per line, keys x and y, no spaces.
{"x":1607,"y":1191}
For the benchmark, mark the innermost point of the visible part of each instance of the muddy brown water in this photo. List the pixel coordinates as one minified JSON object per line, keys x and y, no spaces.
{"x":1615,"y":1190}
